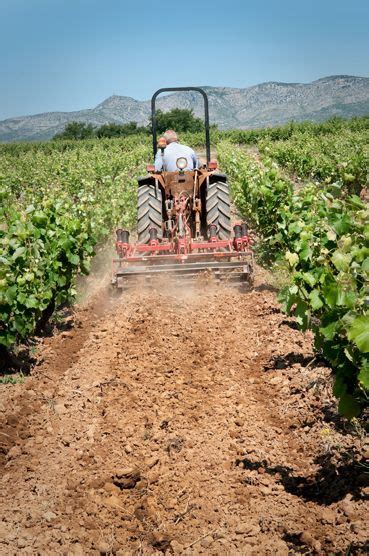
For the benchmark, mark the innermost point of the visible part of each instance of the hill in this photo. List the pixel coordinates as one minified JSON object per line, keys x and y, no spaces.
{"x":267,"y":104}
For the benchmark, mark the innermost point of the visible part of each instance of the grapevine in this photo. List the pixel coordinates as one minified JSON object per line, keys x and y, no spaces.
{"x":323,"y":233}
{"x":56,"y":206}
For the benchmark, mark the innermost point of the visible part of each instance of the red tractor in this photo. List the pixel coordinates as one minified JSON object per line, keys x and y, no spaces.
{"x":184,"y":223}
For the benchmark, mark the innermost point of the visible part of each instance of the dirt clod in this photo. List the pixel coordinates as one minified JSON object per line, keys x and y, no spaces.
{"x":127,"y":478}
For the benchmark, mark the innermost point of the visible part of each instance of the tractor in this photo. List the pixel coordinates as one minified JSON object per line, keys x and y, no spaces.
{"x":184,"y":226}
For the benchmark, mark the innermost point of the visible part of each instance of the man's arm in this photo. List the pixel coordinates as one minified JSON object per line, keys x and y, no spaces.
{"x":159,"y":161}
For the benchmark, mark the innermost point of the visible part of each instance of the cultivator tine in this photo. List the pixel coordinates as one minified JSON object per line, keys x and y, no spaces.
{"x":230,"y":273}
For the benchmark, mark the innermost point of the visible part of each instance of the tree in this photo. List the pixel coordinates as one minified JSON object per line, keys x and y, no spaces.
{"x":119,"y":130}
{"x":178,"y":119}
{"x":76,"y":130}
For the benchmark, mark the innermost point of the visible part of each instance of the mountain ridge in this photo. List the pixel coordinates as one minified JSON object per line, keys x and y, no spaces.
{"x":260,"y":105}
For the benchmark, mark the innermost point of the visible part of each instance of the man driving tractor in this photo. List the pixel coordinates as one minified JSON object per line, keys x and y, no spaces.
{"x":166,"y":159}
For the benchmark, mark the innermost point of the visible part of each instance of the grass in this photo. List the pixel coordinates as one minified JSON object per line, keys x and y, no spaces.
{"x":12,"y":378}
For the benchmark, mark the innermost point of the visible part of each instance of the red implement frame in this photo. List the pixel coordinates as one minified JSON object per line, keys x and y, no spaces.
{"x":183,"y":258}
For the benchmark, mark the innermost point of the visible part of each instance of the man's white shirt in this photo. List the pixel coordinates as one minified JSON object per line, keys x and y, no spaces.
{"x":167,"y":160}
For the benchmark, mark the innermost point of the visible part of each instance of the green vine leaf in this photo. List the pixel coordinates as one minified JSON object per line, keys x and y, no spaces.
{"x":316,"y":300}
{"x":341,"y":260}
{"x":359,"y":333}
{"x":363,"y":376}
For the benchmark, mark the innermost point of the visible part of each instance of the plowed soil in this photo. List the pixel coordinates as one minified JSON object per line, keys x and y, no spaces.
{"x":188,"y":422}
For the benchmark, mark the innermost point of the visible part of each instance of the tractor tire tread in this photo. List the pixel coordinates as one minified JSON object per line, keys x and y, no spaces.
{"x":149,"y":214}
{"x":218,"y":208}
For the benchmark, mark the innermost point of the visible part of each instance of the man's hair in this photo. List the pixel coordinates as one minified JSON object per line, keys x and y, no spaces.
{"x":170,"y":136}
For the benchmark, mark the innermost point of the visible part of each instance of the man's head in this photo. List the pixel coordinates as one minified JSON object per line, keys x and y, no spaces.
{"x":170,"y":136}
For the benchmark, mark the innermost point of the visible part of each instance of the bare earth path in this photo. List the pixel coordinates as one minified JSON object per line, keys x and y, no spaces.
{"x":187,"y":424}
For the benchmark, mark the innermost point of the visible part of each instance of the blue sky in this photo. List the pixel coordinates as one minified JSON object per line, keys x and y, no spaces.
{"x":72,"y":54}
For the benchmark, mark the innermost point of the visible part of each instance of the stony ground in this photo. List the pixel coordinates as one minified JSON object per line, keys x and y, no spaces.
{"x":194,"y":422}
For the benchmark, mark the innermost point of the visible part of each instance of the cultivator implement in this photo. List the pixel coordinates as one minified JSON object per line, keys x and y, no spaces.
{"x":227,"y":261}
{"x":183,"y":225}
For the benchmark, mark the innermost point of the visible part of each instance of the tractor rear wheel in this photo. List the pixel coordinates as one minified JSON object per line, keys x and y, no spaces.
{"x":218,"y":208}
{"x":150,"y":212}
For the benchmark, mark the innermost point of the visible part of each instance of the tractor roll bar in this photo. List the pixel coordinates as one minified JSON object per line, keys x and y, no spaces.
{"x":206,"y":106}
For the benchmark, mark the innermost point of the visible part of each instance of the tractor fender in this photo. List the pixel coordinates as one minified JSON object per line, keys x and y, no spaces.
{"x":213,"y":177}
{"x":147,"y":180}
{"x":152,"y":179}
